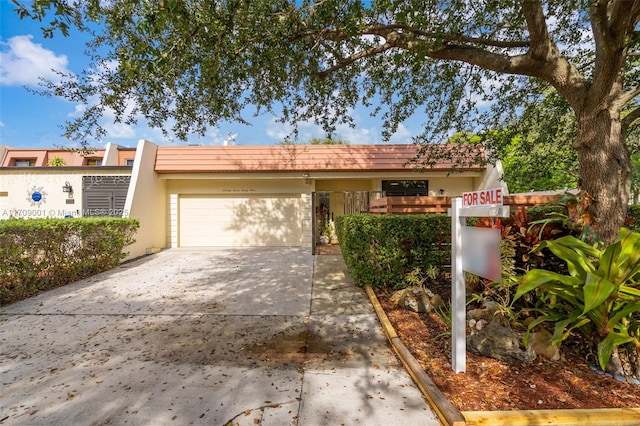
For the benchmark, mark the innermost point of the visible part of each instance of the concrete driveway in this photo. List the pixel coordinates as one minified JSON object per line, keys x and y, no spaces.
{"x":211,"y":337}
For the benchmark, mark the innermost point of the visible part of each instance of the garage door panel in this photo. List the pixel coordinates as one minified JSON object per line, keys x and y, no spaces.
{"x":240,"y":221}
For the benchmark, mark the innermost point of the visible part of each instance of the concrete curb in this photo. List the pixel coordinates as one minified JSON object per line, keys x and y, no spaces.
{"x":452,"y":417}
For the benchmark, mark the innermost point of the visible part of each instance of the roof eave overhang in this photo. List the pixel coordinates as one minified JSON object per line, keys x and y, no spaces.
{"x":311,"y":174}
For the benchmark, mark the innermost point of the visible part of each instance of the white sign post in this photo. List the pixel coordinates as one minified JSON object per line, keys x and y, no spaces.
{"x":479,"y":254}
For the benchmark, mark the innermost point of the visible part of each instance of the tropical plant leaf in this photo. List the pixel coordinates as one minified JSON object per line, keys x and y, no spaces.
{"x":607,"y":266}
{"x":578,"y":245}
{"x":552,"y":317}
{"x":576,"y":254}
{"x":627,"y":310}
{"x":599,"y":301}
{"x":564,"y":328}
{"x":628,"y":259}
{"x":537,"y":277}
{"x":629,"y":291}
{"x":605,"y":347}
{"x":596,"y":291}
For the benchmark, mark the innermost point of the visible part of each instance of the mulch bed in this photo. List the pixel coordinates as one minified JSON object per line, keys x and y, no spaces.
{"x":492,"y":385}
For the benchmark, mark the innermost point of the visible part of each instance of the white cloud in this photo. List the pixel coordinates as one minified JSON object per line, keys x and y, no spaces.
{"x":358,"y":135}
{"x":119,"y":130}
{"x":23,"y":62}
{"x":306,"y":130}
{"x":402,"y":135}
{"x":278,"y":131}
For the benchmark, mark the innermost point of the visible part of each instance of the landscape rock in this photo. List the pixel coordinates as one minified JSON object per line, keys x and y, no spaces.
{"x":417,"y":299}
{"x":486,"y":312}
{"x":499,"y":342}
{"x":481,"y":324}
{"x":540,"y":344}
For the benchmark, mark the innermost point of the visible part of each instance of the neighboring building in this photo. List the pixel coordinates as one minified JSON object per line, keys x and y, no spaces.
{"x":13,"y":157}
{"x":207,"y":196}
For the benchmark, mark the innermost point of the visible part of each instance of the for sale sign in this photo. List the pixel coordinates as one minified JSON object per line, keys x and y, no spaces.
{"x":484,"y":198}
{"x":476,"y":250}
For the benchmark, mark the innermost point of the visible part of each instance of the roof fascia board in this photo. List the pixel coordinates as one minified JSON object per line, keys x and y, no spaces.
{"x":51,"y":169}
{"x":319,"y":175}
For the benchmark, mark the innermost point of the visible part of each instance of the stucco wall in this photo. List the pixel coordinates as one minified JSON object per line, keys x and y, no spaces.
{"x":3,"y":149}
{"x":347,"y":185}
{"x":453,"y":185}
{"x":493,"y":178}
{"x":246,"y":186}
{"x":110,"y":157}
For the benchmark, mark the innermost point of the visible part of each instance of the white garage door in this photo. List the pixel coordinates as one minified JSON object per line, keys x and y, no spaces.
{"x":228,"y":221}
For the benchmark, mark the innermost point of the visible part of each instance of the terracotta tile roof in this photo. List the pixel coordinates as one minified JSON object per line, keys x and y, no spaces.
{"x":282,"y":158}
{"x":41,"y":156}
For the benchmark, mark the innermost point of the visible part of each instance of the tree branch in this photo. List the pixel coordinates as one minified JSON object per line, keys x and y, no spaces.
{"x":390,"y":30}
{"x":543,"y":59}
{"x":628,"y":96}
{"x":612,"y":23}
{"x":519,"y":64}
{"x":630,"y":118}
{"x":623,"y":15}
{"x":345,"y":61}
{"x":541,"y":44}
{"x":447,"y":38}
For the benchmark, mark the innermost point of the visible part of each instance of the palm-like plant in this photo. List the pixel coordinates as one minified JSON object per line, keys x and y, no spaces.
{"x":600,"y":296}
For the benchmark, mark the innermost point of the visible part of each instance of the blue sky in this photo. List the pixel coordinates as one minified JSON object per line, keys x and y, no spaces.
{"x":33,"y":121}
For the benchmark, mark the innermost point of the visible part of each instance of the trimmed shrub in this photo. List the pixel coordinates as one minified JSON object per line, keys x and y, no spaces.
{"x":40,"y":254}
{"x":382,"y":250}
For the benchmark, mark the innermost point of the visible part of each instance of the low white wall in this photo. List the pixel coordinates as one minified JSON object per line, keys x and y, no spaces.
{"x":18,"y":188}
{"x":493,"y":178}
{"x":146,"y":201}
{"x":110,"y":157}
{"x":3,"y":148}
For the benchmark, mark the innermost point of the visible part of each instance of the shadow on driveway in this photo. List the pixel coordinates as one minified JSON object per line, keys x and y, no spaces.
{"x":253,"y":336}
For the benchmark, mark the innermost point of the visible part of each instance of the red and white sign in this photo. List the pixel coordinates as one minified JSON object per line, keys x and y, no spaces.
{"x":485,"y":198}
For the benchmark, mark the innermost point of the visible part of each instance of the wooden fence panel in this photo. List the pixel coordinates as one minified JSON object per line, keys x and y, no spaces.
{"x":439,"y":205}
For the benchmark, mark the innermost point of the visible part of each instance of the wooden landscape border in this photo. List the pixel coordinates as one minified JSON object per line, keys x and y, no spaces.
{"x":450,"y":416}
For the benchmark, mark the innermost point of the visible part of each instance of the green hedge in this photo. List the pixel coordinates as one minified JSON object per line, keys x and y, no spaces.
{"x":40,"y":254}
{"x":381,"y":250}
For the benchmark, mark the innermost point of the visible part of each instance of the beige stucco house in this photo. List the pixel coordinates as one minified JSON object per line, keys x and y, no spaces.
{"x":204,"y":196}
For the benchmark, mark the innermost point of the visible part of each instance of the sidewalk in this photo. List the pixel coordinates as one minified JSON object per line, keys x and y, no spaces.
{"x":210,"y":337}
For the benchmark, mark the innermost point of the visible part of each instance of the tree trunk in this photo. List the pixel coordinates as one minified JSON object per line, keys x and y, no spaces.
{"x":605,"y":171}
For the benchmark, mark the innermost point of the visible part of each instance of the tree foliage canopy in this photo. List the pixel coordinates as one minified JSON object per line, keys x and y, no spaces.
{"x":461,"y":64}
{"x":536,"y":149}
{"x":186,"y":65}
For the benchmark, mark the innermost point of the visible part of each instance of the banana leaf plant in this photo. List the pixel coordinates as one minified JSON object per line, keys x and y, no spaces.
{"x":600,"y":295}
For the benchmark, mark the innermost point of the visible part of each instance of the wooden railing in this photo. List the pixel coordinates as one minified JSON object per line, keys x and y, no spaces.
{"x":422,"y":205}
